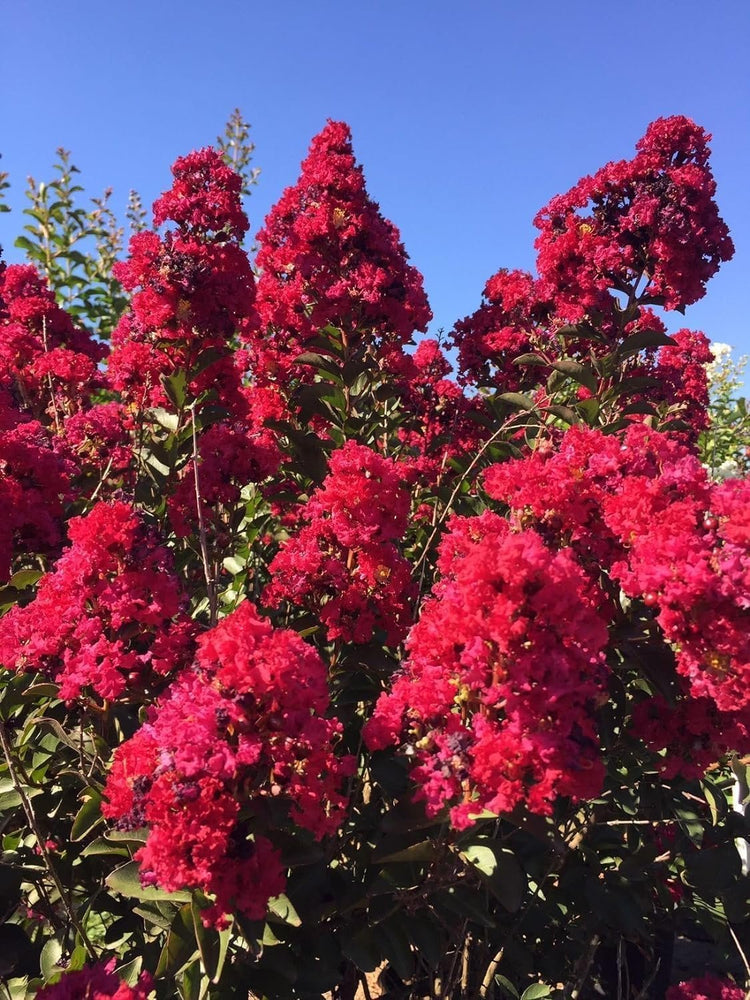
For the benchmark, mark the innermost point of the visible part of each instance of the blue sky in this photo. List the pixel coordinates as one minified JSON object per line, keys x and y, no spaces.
{"x":467,"y":117}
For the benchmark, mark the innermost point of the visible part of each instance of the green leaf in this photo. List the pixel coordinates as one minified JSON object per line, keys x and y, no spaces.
{"x":712,"y":870}
{"x":50,"y":956}
{"x":481,"y":857}
{"x":128,"y":836}
{"x":564,"y":413}
{"x":101,"y":846}
{"x":130,"y":971}
{"x":12,"y":800}
{"x":233,"y":565}
{"x":640,"y":341}
{"x":501,"y":871}
{"x":396,"y":946}
{"x":180,"y":946}
{"x":362,"y":949}
{"x":517,"y":400}
{"x":175,"y":386}
{"x":426,"y":850}
{"x":507,"y":985}
{"x":536,"y":991}
{"x":88,"y":816}
{"x":281,"y":907}
{"x":427,"y":938}
{"x":25,"y":578}
{"x":212,"y":944}
{"x":529,"y":359}
{"x":165,"y":418}
{"x":126,"y":881}
{"x":578,"y":372}
{"x":24,"y":243}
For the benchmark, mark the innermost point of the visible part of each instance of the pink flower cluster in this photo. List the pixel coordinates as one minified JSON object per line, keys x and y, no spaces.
{"x":651,"y":220}
{"x":109,"y":617}
{"x":244,"y":728}
{"x":511,"y":321}
{"x":230,"y":456}
{"x":48,"y":363}
{"x":495,"y":701}
{"x":706,"y":988}
{"x":193,"y":289}
{"x":440,"y":422}
{"x":328,"y":257}
{"x":34,"y":483}
{"x":97,"y":982}
{"x":642,"y":510}
{"x":344,"y":564}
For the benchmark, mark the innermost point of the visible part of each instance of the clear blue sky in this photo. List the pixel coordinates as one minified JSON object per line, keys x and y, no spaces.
{"x":467,"y":117}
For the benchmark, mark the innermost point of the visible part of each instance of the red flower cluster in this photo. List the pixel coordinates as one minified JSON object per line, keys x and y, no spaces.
{"x":109,"y":616}
{"x":34,"y":483}
{"x":651,"y":219}
{"x":230,"y":456}
{"x":682,"y":378}
{"x":706,"y":988}
{"x":244,"y":727}
{"x":510,"y":322}
{"x":328,"y":257}
{"x":643,"y":510}
{"x":344,"y":564}
{"x":98,"y":982}
{"x":440,"y":422}
{"x":206,"y":196}
{"x":193,"y":288}
{"x":45,"y":360}
{"x":505,"y":667}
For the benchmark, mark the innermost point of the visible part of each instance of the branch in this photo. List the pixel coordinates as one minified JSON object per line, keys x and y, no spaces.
{"x":42,"y":844}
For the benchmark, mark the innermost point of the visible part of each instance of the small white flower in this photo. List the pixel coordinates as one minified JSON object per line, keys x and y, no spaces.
{"x":728,"y":470}
{"x":720,"y":350}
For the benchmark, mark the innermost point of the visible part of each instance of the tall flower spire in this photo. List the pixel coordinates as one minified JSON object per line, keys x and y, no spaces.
{"x":328,"y":258}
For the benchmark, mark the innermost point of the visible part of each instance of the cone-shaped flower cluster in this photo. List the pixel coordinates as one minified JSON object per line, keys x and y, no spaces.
{"x":193,"y":288}
{"x":328,"y":257}
{"x":247,"y":725}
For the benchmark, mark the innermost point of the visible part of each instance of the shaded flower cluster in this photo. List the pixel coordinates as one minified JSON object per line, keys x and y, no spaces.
{"x":511,"y":321}
{"x":344,"y":564}
{"x":642,"y":509}
{"x":109,"y":617}
{"x":46,"y":361}
{"x":35,"y":482}
{"x":440,"y":422}
{"x":246,"y":726}
{"x":97,"y":982}
{"x":706,"y":988}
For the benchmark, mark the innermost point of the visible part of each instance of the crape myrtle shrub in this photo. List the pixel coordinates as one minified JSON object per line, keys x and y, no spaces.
{"x":329,"y":672}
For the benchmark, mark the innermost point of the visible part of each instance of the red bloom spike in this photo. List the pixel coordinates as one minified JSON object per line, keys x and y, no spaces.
{"x":328,"y":257}
{"x":650,"y":223}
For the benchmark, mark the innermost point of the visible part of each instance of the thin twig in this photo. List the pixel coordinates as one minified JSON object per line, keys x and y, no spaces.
{"x":461,"y":480}
{"x":99,"y":485}
{"x":210,"y":583}
{"x":49,"y":376}
{"x":42,"y":844}
{"x":448,"y":992}
{"x":743,"y":956}
{"x":584,"y":964}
